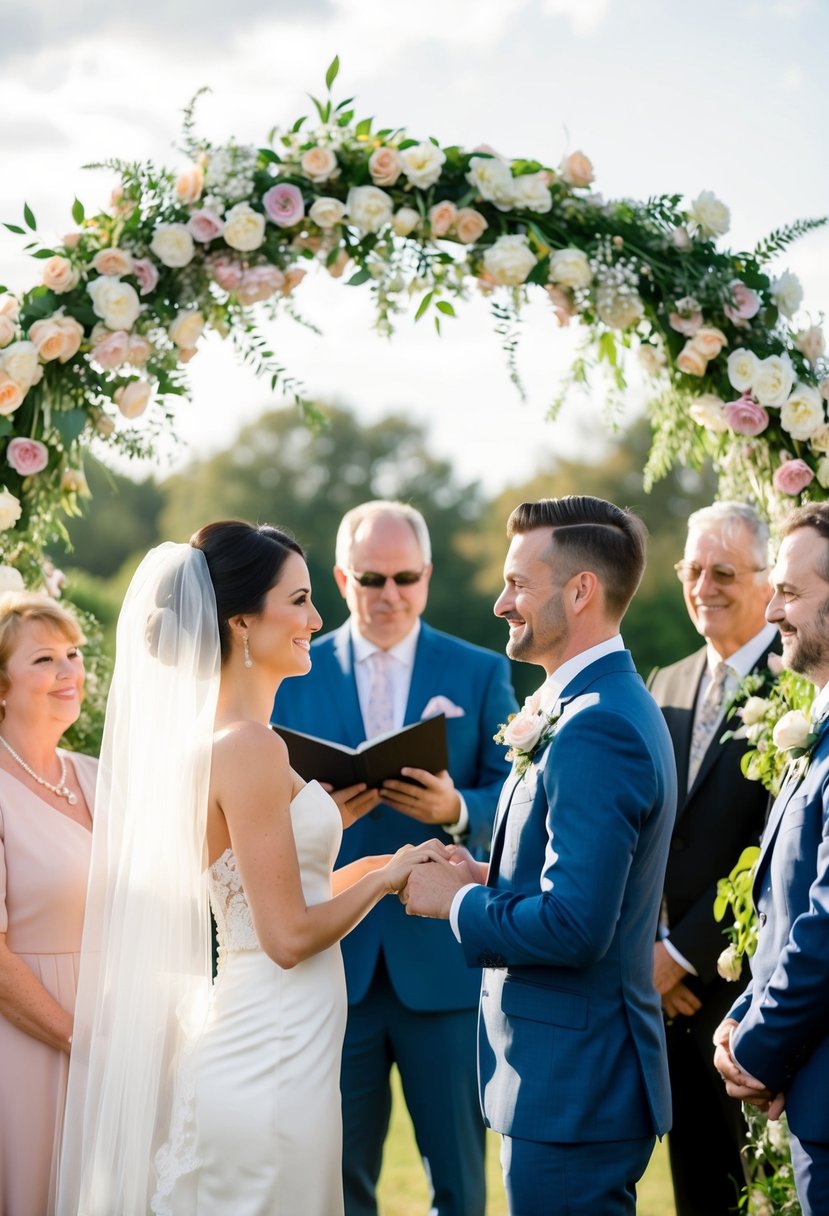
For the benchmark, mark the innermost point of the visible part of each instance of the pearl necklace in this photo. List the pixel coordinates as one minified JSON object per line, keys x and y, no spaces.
{"x":61,"y":789}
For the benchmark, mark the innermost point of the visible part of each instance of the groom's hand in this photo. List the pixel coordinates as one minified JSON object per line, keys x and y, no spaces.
{"x":431,"y":889}
{"x":434,"y":800}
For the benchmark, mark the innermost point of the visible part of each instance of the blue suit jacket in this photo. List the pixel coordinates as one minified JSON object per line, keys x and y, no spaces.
{"x":571,"y":1040}
{"x":423,"y":959}
{"x":783,"y":1036}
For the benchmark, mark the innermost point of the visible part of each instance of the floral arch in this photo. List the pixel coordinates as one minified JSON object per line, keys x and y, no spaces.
{"x":123,"y":300}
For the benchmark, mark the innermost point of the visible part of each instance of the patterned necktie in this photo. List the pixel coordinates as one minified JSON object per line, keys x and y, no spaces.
{"x":378,"y":713}
{"x":709,"y":715}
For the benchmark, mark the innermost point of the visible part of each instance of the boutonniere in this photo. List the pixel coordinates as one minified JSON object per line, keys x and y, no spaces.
{"x":527,"y":732}
{"x":796,"y":734}
{"x":770,"y":711}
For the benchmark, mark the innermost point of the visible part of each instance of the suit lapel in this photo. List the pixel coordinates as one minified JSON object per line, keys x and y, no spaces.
{"x":787,"y":792}
{"x":422,"y":685}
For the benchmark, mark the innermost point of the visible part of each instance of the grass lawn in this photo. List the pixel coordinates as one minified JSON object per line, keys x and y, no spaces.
{"x":402,"y":1189}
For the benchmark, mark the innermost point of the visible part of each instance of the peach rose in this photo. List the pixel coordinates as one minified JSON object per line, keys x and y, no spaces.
{"x":59,"y":275}
{"x":190,"y":184}
{"x":691,"y":361}
{"x":337,"y":268}
{"x":319,"y":164}
{"x":470,"y":225}
{"x":10,"y":509}
{"x":11,"y":394}
{"x":385,"y":166}
{"x":258,"y":283}
{"x":111,"y":349}
{"x":186,"y":329}
{"x":133,"y":398}
{"x":139,"y":350}
{"x":792,"y":476}
{"x":9,"y":307}
{"x":293,"y":278}
{"x":48,"y":338}
{"x":112,"y":261}
{"x":577,"y":169}
{"x":7,"y":331}
{"x":441,"y":217}
{"x":709,"y":341}
{"x":71,"y":240}
{"x":227,"y":272}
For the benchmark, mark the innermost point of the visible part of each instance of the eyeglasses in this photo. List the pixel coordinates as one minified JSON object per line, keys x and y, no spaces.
{"x":721,"y":573}
{"x":403,"y":578}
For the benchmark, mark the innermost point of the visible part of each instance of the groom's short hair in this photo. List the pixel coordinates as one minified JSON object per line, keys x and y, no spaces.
{"x":589,"y":534}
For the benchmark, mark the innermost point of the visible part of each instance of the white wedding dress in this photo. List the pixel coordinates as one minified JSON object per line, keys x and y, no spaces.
{"x":256,"y":1127}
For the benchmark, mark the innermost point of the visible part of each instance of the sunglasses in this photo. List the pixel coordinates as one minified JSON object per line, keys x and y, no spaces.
{"x":403,"y":578}
{"x":722,"y":574}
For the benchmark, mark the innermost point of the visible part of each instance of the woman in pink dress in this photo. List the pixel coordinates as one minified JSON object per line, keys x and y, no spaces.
{"x":46,"y":798}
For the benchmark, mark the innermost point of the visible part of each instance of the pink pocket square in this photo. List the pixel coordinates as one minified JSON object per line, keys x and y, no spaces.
{"x":442,"y":705}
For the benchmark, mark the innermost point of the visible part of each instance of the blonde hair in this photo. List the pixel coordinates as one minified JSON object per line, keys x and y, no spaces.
{"x":17,"y":607}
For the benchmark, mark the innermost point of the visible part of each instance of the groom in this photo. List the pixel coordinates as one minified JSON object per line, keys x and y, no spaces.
{"x":571,"y":1044}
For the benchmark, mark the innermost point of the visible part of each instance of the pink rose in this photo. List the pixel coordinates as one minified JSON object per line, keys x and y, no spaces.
{"x":470,"y":225}
{"x":11,"y":394}
{"x":577,"y":169}
{"x":524,"y":730}
{"x":746,"y":417}
{"x":227,"y":272}
{"x":746,"y":303}
{"x":691,"y":361}
{"x":112,"y":349}
{"x":145,"y":272}
{"x":259,"y":283}
{"x":205,"y":225}
{"x":441,"y":217}
{"x":112,"y":261}
{"x":385,"y":166}
{"x":283,"y":205}
{"x":27,"y":456}
{"x":792,"y":476}
{"x":687,"y":326}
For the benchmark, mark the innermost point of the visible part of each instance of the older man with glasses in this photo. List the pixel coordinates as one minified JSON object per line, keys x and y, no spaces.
{"x":412,"y":999}
{"x":725,"y":580}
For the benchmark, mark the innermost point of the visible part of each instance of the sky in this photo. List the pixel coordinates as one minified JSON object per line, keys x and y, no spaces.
{"x":661,"y":95}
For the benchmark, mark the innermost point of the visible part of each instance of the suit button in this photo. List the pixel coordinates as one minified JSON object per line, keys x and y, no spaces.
{"x":677,"y":844}
{"x":762,"y":918}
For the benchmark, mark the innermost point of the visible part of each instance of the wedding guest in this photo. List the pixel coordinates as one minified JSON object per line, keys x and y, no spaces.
{"x":411,"y":998}
{"x":46,"y":797}
{"x":724,"y":577}
{"x":772,"y":1049}
{"x":571,"y":1045}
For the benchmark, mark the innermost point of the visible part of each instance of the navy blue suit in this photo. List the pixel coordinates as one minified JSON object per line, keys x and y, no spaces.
{"x":571,"y":1041}
{"x":428,"y":993}
{"x":783,"y":1036}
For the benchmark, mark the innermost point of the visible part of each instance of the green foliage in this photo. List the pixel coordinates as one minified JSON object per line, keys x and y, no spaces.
{"x":761,"y":700}
{"x":85,"y":734}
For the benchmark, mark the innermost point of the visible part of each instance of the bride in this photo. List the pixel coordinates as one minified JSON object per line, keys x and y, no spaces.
{"x":185,"y":1099}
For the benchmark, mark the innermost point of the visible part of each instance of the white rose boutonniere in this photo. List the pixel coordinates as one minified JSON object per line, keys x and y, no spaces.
{"x":527,"y":732}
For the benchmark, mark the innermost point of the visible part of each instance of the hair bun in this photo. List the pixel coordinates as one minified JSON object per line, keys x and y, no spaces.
{"x":162,"y":635}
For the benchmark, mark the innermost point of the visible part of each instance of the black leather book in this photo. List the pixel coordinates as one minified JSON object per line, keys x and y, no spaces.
{"x":422,"y":745}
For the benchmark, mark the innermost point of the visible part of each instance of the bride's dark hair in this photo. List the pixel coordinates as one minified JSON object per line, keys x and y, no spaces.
{"x":244,"y":561}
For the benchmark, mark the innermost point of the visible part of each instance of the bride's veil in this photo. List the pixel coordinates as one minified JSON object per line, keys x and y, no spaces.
{"x":145,"y":961}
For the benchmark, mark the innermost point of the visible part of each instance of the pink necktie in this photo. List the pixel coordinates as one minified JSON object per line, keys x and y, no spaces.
{"x":378,"y":714}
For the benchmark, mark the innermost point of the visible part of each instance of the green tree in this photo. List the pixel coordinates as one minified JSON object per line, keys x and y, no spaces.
{"x":121,"y":519}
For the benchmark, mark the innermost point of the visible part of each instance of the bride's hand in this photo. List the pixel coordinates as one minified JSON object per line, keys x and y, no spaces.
{"x":398,"y":868}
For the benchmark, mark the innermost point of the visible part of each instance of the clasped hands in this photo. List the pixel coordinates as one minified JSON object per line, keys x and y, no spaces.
{"x":739,"y":1084}
{"x":434,"y":800}
{"x":430,"y":889}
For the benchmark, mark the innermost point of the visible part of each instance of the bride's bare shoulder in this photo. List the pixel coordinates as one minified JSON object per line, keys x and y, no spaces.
{"x":247,"y":742}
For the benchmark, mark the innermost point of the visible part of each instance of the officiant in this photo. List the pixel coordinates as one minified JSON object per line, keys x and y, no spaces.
{"x":412,"y":999}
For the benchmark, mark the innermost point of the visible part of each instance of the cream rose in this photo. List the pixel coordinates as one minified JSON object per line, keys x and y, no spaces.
{"x":319,"y":164}
{"x":509,"y":260}
{"x":530,"y":192}
{"x":787,"y":293}
{"x":133,"y":398}
{"x":113,"y":261}
{"x":801,"y":414}
{"x":577,"y":169}
{"x":7,"y":331}
{"x":691,"y":360}
{"x":59,"y":275}
{"x":822,"y":473}
{"x":651,"y":359}
{"x":11,"y":580}
{"x":773,"y":380}
{"x":441,"y":217}
{"x":709,"y":411}
{"x":385,"y":166}
{"x":190,"y":184}
{"x":570,"y":268}
{"x":754,"y":710}
{"x":492,"y":179}
{"x":422,"y":164}
{"x":792,"y":731}
{"x":186,"y":329}
{"x":811,"y":343}
{"x":244,"y":228}
{"x":405,"y":221}
{"x":369,"y":208}
{"x":73,"y":481}
{"x":11,"y":395}
{"x":10,"y":510}
{"x":115,"y":302}
{"x":470,"y":225}
{"x":819,"y":439}
{"x":742,"y":368}
{"x":327,"y":213}
{"x":730,"y":964}
{"x":21,"y":363}
{"x":710,"y":215}
{"x":524,"y":730}
{"x":173,"y":245}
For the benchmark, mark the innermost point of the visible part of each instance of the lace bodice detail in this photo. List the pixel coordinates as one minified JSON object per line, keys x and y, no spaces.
{"x":234,"y":925}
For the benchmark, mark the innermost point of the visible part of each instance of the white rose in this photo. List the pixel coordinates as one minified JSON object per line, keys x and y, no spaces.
{"x":710,"y":215}
{"x":742,"y":368}
{"x":802,"y":414}
{"x":530,"y":192}
{"x":244,"y":228}
{"x":754,"y":710}
{"x":730,"y":964}
{"x":819,"y":439}
{"x":405,"y":221}
{"x":787,"y":293}
{"x":327,"y":212}
{"x":20,"y":362}
{"x":524,"y":731}
{"x":10,"y":510}
{"x":792,"y":730}
{"x":709,"y":411}
{"x":116,"y":303}
{"x":173,"y":245}
{"x":492,"y":179}
{"x":773,"y":380}
{"x":187,"y":328}
{"x":369,"y":208}
{"x":822,"y":472}
{"x":11,"y":579}
{"x":509,"y":260}
{"x":570,"y":268}
{"x":422,"y":164}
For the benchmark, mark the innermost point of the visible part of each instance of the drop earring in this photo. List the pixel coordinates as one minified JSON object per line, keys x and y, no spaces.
{"x":246,"y":649}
